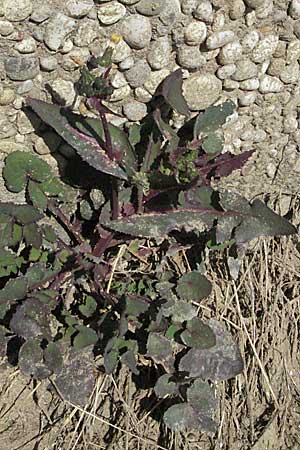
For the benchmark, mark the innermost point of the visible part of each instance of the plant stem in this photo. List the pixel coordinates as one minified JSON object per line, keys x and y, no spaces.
{"x":61,"y":216}
{"x":102,"y":245}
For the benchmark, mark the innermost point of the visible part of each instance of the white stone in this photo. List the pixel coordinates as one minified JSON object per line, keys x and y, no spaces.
{"x":7,"y":96}
{"x":121,"y":52}
{"x":201,"y":90}
{"x":17,"y":10}
{"x":230,"y":53}
{"x":159,"y":53}
{"x":290,"y":124}
{"x":219,"y":38}
{"x":25,"y":87}
{"x":137,"y":31}
{"x":135,"y":111}
{"x":142,"y":95}
{"x":290,"y":74}
{"x":190,"y":57}
{"x":127,"y":63}
{"x":250,"y":19}
{"x":226,"y":71}
{"x":195,"y":33}
{"x":293,"y":51}
{"x":255,"y":3}
{"x":120,"y":94}
{"x":294,"y":9}
{"x":118,"y":80}
{"x":24,"y":124}
{"x":270,"y":84}
{"x":6,"y":28}
{"x":57,"y":29}
{"x":79,"y":8}
{"x":85,"y":34}
{"x":155,"y":79}
{"x":204,"y":11}
{"x":247,"y":98}
{"x":67,"y":47}
{"x":245,"y":69}
{"x":265,"y":10}
{"x":63,"y":91}
{"x":188,"y":6}
{"x":27,"y":45}
{"x":250,"y":85}
{"x":111,"y":13}
{"x":237,"y":9}
{"x":265,"y":48}
{"x":219,"y":21}
{"x":230,"y":85}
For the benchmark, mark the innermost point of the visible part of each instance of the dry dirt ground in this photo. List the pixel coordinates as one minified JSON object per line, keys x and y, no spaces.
{"x":258,"y":410}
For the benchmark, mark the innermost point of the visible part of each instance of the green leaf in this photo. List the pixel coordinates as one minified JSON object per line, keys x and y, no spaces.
{"x":49,"y":233}
{"x":39,"y":273}
{"x":221,"y":362}
{"x":136,"y":305}
{"x":31,"y":320}
{"x":193,"y":286}
{"x":53,"y":357}
{"x":37,"y":196}
{"x":165,"y":386}
{"x":213,"y":143}
{"x":17,"y":234}
{"x":183,"y":416}
{"x":90,"y":152}
{"x":88,"y":307}
{"x":202,"y":398}
{"x":179,"y":311}
{"x":26,"y":214}
{"x":32,"y":235}
{"x":31,"y":360}
{"x":22,"y":166}
{"x":111,"y":360}
{"x":213,"y":118}
{"x":15,"y":289}
{"x":160,"y":350}
{"x":86,"y":336}
{"x":134,"y":134}
{"x":198,"y":334}
{"x":128,"y":358}
{"x":171,"y":90}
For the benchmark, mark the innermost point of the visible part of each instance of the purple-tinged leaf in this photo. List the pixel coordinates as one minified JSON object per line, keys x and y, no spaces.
{"x":193,"y":286}
{"x":213,"y":118}
{"x":159,"y":348}
{"x":53,"y":357}
{"x":76,"y":380}
{"x":31,"y":360}
{"x":165,"y":386}
{"x":32,"y":320}
{"x":57,"y":117}
{"x":221,"y":362}
{"x":171,"y":89}
{"x":198,"y":334}
{"x":227,"y":163}
{"x":202,"y":398}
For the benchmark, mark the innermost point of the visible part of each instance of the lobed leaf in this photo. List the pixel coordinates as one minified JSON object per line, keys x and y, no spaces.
{"x":90,"y":152}
{"x":193,"y":286}
{"x":22,"y":166}
{"x":32,"y":319}
{"x":160,"y":349}
{"x":198,"y":334}
{"x":182,"y":416}
{"x":213,"y":118}
{"x":37,"y":196}
{"x":201,"y":397}
{"x":179,"y":311}
{"x":86,"y":336}
{"x":31,"y":360}
{"x":213,"y":143}
{"x":53,"y":357}
{"x":165,"y":386}
{"x":221,"y":362}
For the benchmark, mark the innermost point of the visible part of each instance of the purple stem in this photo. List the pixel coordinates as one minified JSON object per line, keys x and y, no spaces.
{"x":60,"y":215}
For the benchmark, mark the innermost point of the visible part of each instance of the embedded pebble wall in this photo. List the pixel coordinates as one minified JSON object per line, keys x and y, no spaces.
{"x":245,"y":50}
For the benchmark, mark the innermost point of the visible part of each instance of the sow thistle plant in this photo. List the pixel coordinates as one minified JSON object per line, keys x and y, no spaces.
{"x":147,"y":193}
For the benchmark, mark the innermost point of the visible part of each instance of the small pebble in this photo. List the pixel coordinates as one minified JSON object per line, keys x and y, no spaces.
{"x":138,"y":74}
{"x":111,"y":13}
{"x":247,"y":98}
{"x":85,"y":34}
{"x":121,"y":52}
{"x":7,"y":96}
{"x":159,"y":54}
{"x":245,"y":69}
{"x":134,"y":110}
{"x":226,"y":71}
{"x":201,"y":90}
{"x":195,"y":33}
{"x":294,"y":9}
{"x":79,"y":8}
{"x":6,"y":28}
{"x":230,"y":53}
{"x":237,"y":9}
{"x":155,"y":79}
{"x":136,"y":31}
{"x":190,"y":57}
{"x":127,"y":63}
{"x":25,"y":87}
{"x":150,"y":7}
{"x":27,"y":45}
{"x":57,"y":30}
{"x":219,"y":38}
{"x":41,"y":12}
{"x":63,"y":91}
{"x":204,"y":11}
{"x":265,"y":48}
{"x":21,"y":68}
{"x":142,"y":95}
{"x":270,"y":84}
{"x":120,"y":94}
{"x":17,"y":10}
{"x":48,"y":63}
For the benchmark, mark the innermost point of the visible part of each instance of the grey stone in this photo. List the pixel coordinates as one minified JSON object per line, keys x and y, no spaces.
{"x":171,"y":12}
{"x":150,"y":7}
{"x":48,"y":63}
{"x":41,"y":13}
{"x":201,"y":90}
{"x":79,"y":8}
{"x":7,"y":96}
{"x":21,"y":68}
{"x":58,"y":28}
{"x":17,"y":10}
{"x":27,"y":123}
{"x":25,"y":87}
{"x":63,"y":91}
{"x":134,"y":110}
{"x":85,"y":34}
{"x":155,"y":79}
{"x":6,"y":28}
{"x":245,"y":69}
{"x":136,"y":31}
{"x":27,"y":45}
{"x":138,"y":74}
{"x":49,"y":143}
{"x":159,"y":53}
{"x":7,"y":129}
{"x":111,"y":13}
{"x":190,"y":57}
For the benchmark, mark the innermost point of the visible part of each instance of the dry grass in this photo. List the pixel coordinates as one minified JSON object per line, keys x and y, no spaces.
{"x":260,"y":409}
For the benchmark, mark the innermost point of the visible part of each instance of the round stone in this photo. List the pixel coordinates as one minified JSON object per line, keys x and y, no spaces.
{"x":201,"y":90}
{"x":155,"y":79}
{"x":138,"y":74}
{"x":85,"y":34}
{"x":121,"y":52}
{"x":6,"y":28}
{"x":48,"y":63}
{"x":41,"y":13}
{"x":25,"y":87}
{"x":79,"y":8}
{"x":135,"y":111}
{"x":27,"y":45}
{"x":137,"y":31}
{"x":57,"y":29}
{"x":17,"y":10}
{"x":127,"y":2}
{"x":160,"y":53}
{"x":190,"y":57}
{"x":7,"y":96}
{"x":150,"y":7}
{"x":21,"y":68}
{"x":111,"y":13}
{"x":195,"y":33}
{"x":127,"y":63}
{"x":63,"y":91}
